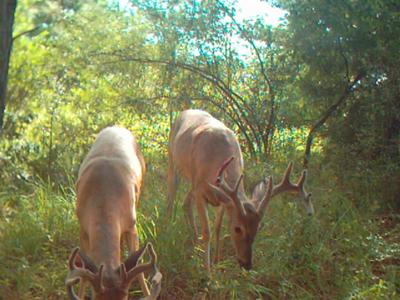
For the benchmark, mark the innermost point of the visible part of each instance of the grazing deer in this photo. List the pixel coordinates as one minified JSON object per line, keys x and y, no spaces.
{"x":207,"y":153}
{"x":108,"y":188}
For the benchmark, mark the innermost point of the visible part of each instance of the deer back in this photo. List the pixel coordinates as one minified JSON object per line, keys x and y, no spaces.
{"x":108,"y":186}
{"x":199,"y":144}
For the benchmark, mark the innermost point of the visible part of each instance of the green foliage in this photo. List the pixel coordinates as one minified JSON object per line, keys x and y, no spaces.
{"x":38,"y":227}
{"x":337,"y":42}
{"x":90,"y":65}
{"x":342,"y":252}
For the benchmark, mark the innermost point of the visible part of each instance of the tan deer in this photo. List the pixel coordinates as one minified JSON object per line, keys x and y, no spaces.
{"x":205,"y":152}
{"x":108,"y":188}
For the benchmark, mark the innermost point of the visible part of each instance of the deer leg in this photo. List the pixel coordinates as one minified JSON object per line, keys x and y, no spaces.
{"x":132,"y":240}
{"x":84,"y":244}
{"x":218,"y":222}
{"x":188,"y":208}
{"x":203,"y":216}
{"x":173,"y":182}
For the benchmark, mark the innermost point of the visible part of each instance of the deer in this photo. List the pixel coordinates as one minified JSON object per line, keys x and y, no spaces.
{"x":108,"y":188}
{"x":206,"y":153}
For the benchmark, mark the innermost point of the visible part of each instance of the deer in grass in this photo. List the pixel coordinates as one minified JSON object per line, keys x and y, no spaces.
{"x":206,"y":153}
{"x":108,"y":188}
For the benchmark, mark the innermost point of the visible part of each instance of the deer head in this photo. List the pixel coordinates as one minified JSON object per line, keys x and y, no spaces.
{"x":115,"y":285}
{"x":245,"y":215}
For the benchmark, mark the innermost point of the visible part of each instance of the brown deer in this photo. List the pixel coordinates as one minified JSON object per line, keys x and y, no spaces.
{"x":205,"y":152}
{"x":108,"y":188}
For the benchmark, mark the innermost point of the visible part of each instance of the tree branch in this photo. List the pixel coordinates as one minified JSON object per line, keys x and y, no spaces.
{"x":348,"y":90}
{"x":217,"y":82}
{"x":26,"y":32}
{"x":271,"y":118}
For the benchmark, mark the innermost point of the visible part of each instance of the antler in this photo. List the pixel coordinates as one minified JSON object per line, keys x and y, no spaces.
{"x":221,"y":170}
{"x":81,"y":273}
{"x":286,"y":185}
{"x":155,"y":287}
{"x":128,"y":277}
{"x":267,"y":197}
{"x":225,"y":192}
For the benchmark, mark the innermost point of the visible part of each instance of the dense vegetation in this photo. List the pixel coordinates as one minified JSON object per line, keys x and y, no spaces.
{"x":321,"y":89}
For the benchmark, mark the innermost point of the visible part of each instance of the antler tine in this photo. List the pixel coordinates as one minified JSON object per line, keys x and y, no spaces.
{"x":221,"y":179}
{"x":81,"y":273}
{"x":153,"y":256}
{"x":285,"y":184}
{"x":155,"y":288}
{"x":75,"y":274}
{"x":122,"y":272}
{"x":142,"y":267}
{"x":223,"y":167}
{"x":98,"y":283}
{"x":288,"y":171}
{"x":300,"y":184}
{"x":226,"y":193}
{"x":237,"y":184}
{"x":268,"y":195}
{"x":302,"y":179}
{"x":70,"y":291}
{"x":71,"y":259}
{"x":224,"y":186}
{"x":233,"y":194}
{"x":156,"y":280}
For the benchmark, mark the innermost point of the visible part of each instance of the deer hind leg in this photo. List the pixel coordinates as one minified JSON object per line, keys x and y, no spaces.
{"x":218,"y":223}
{"x":132,"y":240}
{"x":203,"y":216}
{"x":173,"y":183}
{"x":188,"y":208}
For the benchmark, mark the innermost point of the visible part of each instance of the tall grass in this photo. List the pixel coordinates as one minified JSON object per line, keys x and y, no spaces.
{"x":343,"y":252}
{"x":37,"y":229}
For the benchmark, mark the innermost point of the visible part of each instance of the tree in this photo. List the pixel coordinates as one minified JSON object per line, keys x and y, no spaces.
{"x":201,"y":43}
{"x":346,"y":47}
{"x":350,"y":82}
{"x":7,"y":13}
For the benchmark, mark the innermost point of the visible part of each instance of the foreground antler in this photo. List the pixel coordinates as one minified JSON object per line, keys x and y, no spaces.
{"x":77,"y":274}
{"x":126,"y":277}
{"x":156,"y":280}
{"x":225,"y":191}
{"x":155,"y":287}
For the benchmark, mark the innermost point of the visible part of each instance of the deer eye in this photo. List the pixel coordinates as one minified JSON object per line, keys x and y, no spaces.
{"x":238,"y":230}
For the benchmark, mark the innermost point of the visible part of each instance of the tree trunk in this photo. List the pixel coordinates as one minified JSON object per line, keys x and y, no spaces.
{"x":7,"y":12}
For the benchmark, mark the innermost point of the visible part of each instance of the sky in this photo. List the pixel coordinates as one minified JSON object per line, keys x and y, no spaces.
{"x":249,"y":9}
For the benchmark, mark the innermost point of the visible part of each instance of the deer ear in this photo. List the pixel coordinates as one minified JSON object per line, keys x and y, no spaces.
{"x":220,"y":194}
{"x":258,"y":192}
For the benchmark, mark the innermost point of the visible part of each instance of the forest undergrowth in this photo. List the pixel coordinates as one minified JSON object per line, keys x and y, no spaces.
{"x":345,"y":251}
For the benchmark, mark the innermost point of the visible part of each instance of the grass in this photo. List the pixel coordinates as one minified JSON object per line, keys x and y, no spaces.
{"x":343,"y":252}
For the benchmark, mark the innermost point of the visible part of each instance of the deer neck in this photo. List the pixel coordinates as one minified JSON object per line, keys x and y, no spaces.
{"x":105,"y":246}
